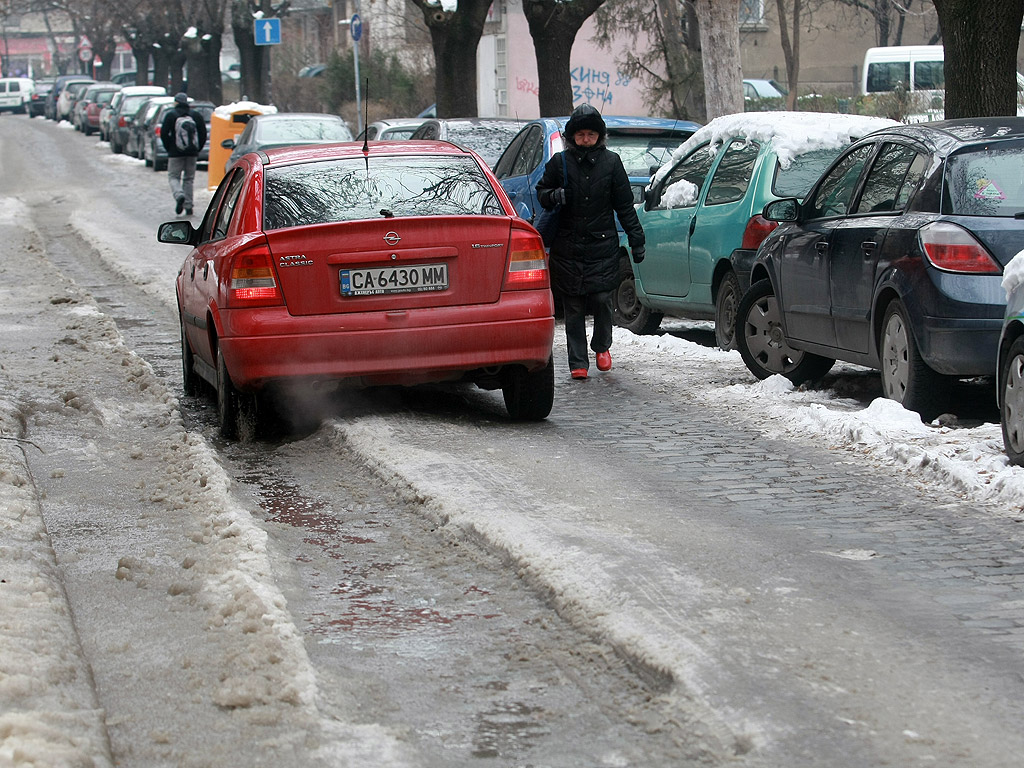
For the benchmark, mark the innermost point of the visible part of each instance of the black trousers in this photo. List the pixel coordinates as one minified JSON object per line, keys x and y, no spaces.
{"x":576,"y":309}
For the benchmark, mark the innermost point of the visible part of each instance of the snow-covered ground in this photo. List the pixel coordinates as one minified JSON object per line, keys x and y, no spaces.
{"x":967,"y":462}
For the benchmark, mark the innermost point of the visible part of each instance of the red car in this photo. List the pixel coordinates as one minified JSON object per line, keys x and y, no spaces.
{"x":385,"y":263}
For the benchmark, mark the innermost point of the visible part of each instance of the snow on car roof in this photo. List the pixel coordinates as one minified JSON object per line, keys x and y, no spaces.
{"x":791,"y":133}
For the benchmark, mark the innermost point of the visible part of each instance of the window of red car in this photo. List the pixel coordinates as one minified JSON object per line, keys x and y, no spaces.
{"x":352,"y":189}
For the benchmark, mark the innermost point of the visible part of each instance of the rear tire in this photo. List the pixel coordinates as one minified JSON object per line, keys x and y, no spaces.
{"x":529,"y":395}
{"x":763,"y":345}
{"x":1011,"y":402}
{"x":726,"y":302}
{"x":237,"y":411}
{"x":906,"y":377}
{"x":190,"y":380}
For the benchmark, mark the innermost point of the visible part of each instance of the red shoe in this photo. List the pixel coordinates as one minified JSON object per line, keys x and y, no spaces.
{"x":579,"y":373}
{"x":604,"y":361}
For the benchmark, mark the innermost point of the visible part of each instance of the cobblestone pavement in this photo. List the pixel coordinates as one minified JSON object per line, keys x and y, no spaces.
{"x":813,"y":606}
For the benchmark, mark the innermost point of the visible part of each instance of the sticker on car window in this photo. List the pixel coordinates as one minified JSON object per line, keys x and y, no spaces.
{"x":987,"y":190}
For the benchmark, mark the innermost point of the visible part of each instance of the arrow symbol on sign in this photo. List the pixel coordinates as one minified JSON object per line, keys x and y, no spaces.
{"x":267,"y":27}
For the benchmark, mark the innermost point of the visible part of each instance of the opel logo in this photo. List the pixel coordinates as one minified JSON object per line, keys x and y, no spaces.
{"x":392,"y":238}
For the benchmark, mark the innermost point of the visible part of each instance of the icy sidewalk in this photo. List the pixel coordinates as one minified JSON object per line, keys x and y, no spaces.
{"x":49,"y":714}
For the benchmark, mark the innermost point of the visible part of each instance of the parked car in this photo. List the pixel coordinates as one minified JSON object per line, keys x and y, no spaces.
{"x":69,"y":94}
{"x":643,"y":143}
{"x":285,"y":129}
{"x":893,"y":261}
{"x":404,"y":264}
{"x":487,"y":136}
{"x":87,"y":109}
{"x":1010,"y":365}
{"x":141,"y":123}
{"x":15,"y":94}
{"x":59,"y":84}
{"x":392,"y":129}
{"x":154,"y":151}
{"x":702,"y":212}
{"x":124,"y":106}
{"x":37,"y":102}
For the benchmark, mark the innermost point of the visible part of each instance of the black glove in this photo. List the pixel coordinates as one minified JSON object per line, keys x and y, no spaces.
{"x":559,"y":196}
{"x":638,"y":254}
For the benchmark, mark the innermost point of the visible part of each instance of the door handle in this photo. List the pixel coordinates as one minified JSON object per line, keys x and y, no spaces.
{"x":821,"y":247}
{"x":868,"y":246}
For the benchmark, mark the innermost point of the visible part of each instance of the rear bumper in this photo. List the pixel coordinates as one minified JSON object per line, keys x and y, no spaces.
{"x":322,"y":348}
{"x":961,"y":346}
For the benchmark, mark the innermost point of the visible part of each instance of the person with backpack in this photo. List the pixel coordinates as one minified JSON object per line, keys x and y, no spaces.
{"x":183,"y":133}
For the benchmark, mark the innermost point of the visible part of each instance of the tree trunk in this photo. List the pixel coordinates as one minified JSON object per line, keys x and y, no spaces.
{"x":720,"y":54}
{"x":980,"y":48}
{"x":553,"y":27}
{"x":790,"y":49}
{"x":682,"y":69}
{"x":455,"y":36}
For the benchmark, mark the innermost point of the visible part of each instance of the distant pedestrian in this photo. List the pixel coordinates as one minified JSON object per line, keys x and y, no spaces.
{"x":585,"y":253}
{"x":183,"y":133}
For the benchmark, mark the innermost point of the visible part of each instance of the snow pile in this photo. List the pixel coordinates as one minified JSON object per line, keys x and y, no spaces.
{"x":790,"y":133}
{"x":225,"y":111}
{"x":1013,"y":274}
{"x":680,"y":194}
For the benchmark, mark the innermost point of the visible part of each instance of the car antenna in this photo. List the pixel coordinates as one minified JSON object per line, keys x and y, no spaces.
{"x":366,"y":113}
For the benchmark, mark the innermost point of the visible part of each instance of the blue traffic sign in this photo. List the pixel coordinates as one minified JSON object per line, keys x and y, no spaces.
{"x":356,"y":27}
{"x":267,"y":31}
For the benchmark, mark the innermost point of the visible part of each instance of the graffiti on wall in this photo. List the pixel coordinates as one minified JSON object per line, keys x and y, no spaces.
{"x":594,"y":86}
{"x":589,"y":85}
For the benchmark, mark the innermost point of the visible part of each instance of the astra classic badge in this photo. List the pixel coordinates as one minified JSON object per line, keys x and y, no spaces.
{"x":392,"y":238}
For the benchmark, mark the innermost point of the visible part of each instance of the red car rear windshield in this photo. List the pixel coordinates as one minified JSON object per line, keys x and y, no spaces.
{"x":352,"y":189}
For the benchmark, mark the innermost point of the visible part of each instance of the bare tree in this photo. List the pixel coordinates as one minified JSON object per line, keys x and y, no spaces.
{"x":254,"y":59}
{"x":553,"y":26}
{"x":980,"y":86}
{"x":202,"y":49}
{"x":720,"y":53}
{"x":890,"y":17}
{"x":790,"y":46}
{"x":664,"y":54}
{"x":455,"y":37}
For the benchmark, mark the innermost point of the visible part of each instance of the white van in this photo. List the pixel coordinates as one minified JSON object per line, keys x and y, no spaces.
{"x":15,"y":93}
{"x":918,"y":67}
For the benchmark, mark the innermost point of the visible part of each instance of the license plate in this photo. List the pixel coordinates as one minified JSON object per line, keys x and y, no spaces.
{"x":411,"y":279}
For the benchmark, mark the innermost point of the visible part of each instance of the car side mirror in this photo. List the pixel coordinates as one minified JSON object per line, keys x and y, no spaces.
{"x":228,"y":143}
{"x":177,"y":233}
{"x":652,"y":198}
{"x":786,"y":209}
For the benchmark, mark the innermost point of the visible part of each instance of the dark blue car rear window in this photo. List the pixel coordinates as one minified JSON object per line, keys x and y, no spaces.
{"x":985,"y":180}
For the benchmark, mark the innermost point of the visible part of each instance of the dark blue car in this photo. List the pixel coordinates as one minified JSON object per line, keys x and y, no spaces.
{"x":643,"y":143}
{"x":893,"y":261}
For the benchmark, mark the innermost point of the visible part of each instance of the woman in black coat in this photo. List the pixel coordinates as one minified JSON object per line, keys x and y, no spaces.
{"x":585,"y":254}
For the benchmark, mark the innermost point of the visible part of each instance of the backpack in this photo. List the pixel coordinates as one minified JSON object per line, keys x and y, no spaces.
{"x":186,"y":137}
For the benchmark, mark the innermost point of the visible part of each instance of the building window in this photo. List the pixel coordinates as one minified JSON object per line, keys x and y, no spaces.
{"x":751,"y":14}
{"x":501,"y":74}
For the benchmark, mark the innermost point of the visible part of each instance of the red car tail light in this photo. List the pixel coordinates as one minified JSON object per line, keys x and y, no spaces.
{"x":954,"y":249}
{"x":757,"y":229}
{"x":527,"y":262}
{"x":251,"y":280}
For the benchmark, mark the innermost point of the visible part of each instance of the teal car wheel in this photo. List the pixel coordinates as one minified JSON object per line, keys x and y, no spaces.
{"x":629,"y":312}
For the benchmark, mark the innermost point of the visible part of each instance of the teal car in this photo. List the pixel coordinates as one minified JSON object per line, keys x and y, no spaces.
{"x":702,"y":212}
